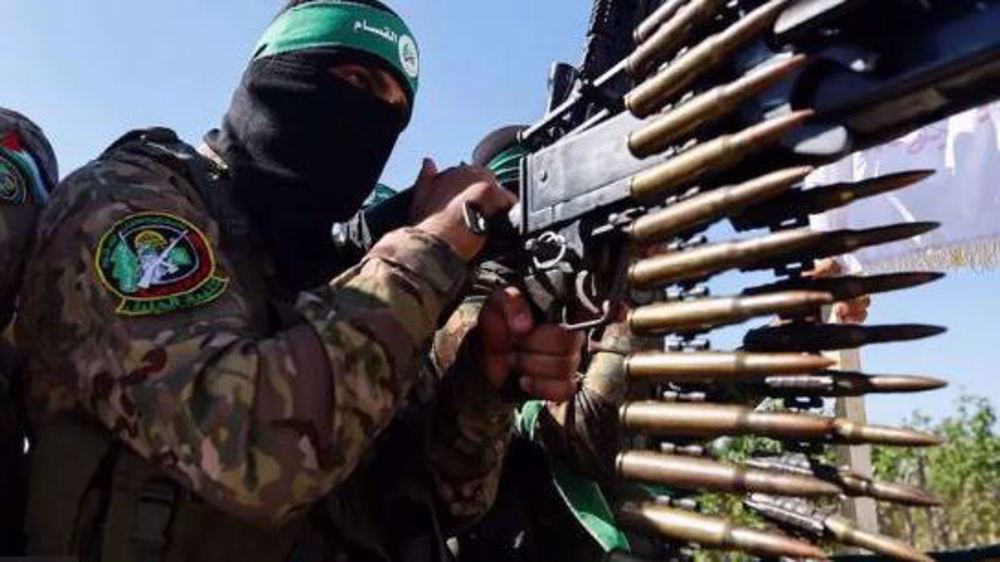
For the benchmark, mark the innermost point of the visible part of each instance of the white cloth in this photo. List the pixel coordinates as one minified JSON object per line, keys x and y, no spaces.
{"x":964,"y":195}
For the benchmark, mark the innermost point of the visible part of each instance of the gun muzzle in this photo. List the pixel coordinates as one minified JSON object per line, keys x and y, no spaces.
{"x":690,"y":473}
{"x":683,"y":120}
{"x":713,"y":532}
{"x":823,"y":199}
{"x":710,"y":421}
{"x":664,"y":87}
{"x":706,"y":261}
{"x":712,"y":366}
{"x":713,"y":205}
{"x":831,"y":337}
{"x":850,"y":287}
{"x":714,"y":156}
{"x":708,"y":314}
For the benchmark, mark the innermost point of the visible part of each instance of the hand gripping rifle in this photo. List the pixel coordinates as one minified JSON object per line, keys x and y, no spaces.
{"x":686,"y":113}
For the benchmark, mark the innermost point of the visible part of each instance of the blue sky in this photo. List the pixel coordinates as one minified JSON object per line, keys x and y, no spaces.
{"x":90,"y":71}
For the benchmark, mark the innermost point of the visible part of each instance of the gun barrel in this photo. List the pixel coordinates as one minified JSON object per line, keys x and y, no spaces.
{"x":847,"y":532}
{"x":714,"y":205}
{"x":851,"y":287}
{"x":651,"y":95}
{"x":713,"y":532}
{"x":690,"y":473}
{"x":713,"y":156}
{"x":707,"y":367}
{"x":707,"y":314}
{"x":706,"y":261}
{"x":681,"y":121}
{"x":823,"y":199}
{"x":709,"y":421}
{"x":827,"y":337}
{"x":664,"y":32}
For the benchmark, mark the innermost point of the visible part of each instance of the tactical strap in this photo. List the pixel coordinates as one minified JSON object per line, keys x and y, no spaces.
{"x":136,"y":525}
{"x":111,"y":505}
{"x":150,"y":518}
{"x":65,"y":459}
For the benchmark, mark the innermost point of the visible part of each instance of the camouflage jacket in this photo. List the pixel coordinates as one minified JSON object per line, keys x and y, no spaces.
{"x":583,"y":431}
{"x":150,"y":308}
{"x":575,"y":443}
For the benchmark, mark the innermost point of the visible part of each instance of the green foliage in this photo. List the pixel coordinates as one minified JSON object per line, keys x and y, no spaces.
{"x":964,"y":473}
{"x":737,"y":450}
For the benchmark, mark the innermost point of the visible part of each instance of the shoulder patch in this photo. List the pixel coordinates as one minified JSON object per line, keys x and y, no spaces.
{"x":158,"y":263}
{"x":13,"y":180}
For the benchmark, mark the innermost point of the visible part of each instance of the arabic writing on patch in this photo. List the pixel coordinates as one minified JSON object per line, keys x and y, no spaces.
{"x":384,"y":32}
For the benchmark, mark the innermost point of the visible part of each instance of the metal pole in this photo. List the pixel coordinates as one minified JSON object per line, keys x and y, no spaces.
{"x":858,"y":458}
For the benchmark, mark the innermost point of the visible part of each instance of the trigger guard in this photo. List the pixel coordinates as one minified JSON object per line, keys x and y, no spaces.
{"x":603,"y":320}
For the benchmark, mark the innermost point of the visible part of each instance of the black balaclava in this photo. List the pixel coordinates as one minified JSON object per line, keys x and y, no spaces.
{"x":304,"y":149}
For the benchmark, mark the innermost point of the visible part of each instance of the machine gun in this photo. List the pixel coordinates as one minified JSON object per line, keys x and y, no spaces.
{"x":756,"y":87}
{"x":686,"y":113}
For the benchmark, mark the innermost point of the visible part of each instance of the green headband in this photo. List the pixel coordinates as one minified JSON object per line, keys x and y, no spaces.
{"x":506,"y":166}
{"x":339,"y":23}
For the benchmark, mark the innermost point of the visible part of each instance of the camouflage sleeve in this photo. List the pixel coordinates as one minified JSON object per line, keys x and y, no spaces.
{"x":584,"y":431}
{"x":472,"y":425}
{"x":259,"y":423}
